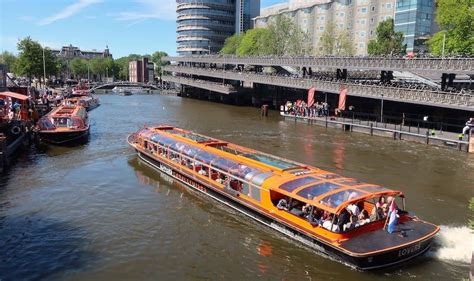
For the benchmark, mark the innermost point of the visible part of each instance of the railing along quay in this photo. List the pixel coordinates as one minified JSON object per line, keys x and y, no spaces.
{"x":425,"y":97}
{"x":207,"y":85}
{"x":440,"y":65}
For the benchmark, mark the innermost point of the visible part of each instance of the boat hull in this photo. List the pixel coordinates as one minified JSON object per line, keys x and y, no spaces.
{"x":64,"y":137}
{"x":230,"y":198}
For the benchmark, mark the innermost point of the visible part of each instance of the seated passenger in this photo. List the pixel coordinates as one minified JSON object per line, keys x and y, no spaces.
{"x":282,"y":205}
{"x":380,"y":202}
{"x":202,"y":172}
{"x":343,"y":218}
{"x":376,"y":214}
{"x":353,"y":209}
{"x":329,"y":225}
{"x":363,"y":218}
{"x":351,"y":224}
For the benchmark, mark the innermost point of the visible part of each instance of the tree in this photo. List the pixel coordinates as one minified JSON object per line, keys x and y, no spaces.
{"x":156,"y":59}
{"x":328,"y":39}
{"x":345,"y":45}
{"x":79,"y":67}
{"x":8,"y":59}
{"x":30,"y":59}
{"x":97,"y":67}
{"x":254,"y":43}
{"x":231,"y":45}
{"x":387,"y":41}
{"x":456,"y":21}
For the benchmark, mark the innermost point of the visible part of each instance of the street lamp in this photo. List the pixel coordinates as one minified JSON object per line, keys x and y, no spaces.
{"x":444,"y":44}
{"x":44,"y":69}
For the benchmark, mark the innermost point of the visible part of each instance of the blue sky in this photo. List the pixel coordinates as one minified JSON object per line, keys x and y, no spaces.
{"x":126,"y":26}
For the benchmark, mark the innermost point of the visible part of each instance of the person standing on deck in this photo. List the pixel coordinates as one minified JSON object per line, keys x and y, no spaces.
{"x":469,"y":126}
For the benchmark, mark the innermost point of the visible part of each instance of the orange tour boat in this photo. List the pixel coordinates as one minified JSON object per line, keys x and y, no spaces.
{"x":362,"y":225}
{"x":64,"y":125}
{"x":89,"y":102}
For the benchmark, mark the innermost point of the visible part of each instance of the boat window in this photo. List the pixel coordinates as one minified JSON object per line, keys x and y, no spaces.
{"x":340,"y":197}
{"x":317,"y":189}
{"x":225,"y":164}
{"x":229,"y":150}
{"x":329,"y":176}
{"x":260,"y":178}
{"x":272,"y":161}
{"x":193,"y":136}
{"x":294,"y":184}
{"x":374,"y":189}
{"x":242,"y":171}
{"x":205,"y":157}
{"x":350,"y":182}
{"x":255,"y":193}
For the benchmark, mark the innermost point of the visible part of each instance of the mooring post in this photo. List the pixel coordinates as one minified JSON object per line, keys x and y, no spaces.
{"x":427,"y":137}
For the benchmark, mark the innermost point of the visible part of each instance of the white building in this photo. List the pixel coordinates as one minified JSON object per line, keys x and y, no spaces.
{"x":358,"y":17}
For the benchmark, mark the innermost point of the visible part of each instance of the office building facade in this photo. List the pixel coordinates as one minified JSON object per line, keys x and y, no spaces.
{"x":415,"y":18}
{"x":203,"y":25}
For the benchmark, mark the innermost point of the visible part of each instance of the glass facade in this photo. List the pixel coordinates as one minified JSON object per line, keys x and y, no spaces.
{"x":415,"y":19}
{"x":203,"y":25}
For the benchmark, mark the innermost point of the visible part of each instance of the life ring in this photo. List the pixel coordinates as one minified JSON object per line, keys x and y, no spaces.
{"x":16,"y":130}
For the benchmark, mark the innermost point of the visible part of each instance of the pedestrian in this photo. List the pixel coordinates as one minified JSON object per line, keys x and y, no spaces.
{"x":469,"y":126}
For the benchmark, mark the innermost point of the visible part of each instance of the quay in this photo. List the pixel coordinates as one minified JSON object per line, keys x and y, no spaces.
{"x":394,"y":131}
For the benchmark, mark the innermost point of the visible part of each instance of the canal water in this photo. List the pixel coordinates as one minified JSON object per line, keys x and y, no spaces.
{"x":95,"y":212}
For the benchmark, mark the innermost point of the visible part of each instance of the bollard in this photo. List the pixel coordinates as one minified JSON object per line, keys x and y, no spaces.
{"x":371,"y":129}
{"x":264,"y":110}
{"x":427,"y":137}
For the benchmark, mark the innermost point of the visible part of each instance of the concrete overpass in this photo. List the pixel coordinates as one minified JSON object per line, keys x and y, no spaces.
{"x":434,"y":65}
{"x":424,"y":97}
{"x":203,"y":84}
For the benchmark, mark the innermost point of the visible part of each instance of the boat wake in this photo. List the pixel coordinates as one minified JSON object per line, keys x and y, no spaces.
{"x":453,"y":244}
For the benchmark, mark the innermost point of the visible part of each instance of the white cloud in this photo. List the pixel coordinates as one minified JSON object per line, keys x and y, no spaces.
{"x":69,"y":11}
{"x":151,"y":9}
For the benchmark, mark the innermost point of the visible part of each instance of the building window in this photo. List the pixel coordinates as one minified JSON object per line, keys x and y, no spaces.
{"x":363,"y":10}
{"x":371,"y":20}
{"x":362,"y":34}
{"x":373,"y":8}
{"x":362,"y":22}
{"x":389,"y":6}
{"x":361,"y":44}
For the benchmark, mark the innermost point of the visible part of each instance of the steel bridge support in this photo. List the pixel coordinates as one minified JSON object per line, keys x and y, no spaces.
{"x":386,"y":76}
{"x":341,"y":74}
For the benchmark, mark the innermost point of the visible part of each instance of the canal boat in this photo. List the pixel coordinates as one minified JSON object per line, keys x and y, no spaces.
{"x":67,"y":124}
{"x":88,"y":102}
{"x":315,"y":207}
{"x":127,"y":91}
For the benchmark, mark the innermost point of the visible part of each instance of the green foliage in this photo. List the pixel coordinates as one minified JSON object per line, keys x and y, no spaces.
{"x":336,"y":42}
{"x":254,"y":42}
{"x":328,"y":39}
{"x":282,"y":37}
{"x":387,"y":42}
{"x":456,"y":21}
{"x":30,"y":59}
{"x":231,"y":45}
{"x":8,"y":59}
{"x":156,"y":58}
{"x":79,"y":67}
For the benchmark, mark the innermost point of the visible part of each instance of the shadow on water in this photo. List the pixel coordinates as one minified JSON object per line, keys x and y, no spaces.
{"x":34,"y":247}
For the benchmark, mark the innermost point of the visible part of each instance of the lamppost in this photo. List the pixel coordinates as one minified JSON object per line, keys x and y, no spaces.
{"x":444,"y":44}
{"x":381,"y":110}
{"x":44,"y":69}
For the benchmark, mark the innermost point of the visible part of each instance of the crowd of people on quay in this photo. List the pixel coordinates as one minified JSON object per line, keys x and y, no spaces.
{"x":300,"y":108}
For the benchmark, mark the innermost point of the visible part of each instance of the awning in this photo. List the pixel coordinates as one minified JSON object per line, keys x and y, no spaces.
{"x":13,"y":95}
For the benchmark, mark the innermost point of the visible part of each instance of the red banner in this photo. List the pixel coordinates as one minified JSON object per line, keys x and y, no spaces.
{"x":311,"y":96}
{"x":342,"y":99}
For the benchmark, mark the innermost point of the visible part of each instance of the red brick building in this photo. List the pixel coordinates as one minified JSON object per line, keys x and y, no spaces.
{"x":141,"y":71}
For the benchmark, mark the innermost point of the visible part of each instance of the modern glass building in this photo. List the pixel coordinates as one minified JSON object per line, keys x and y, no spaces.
{"x":203,"y":25}
{"x":415,"y":18}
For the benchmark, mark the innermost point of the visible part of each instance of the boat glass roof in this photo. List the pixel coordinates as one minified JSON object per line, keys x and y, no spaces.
{"x":338,"y":198}
{"x":374,"y":189}
{"x":317,"y":189}
{"x":272,"y":161}
{"x":294,"y":184}
{"x":350,"y":182}
{"x":329,"y":176}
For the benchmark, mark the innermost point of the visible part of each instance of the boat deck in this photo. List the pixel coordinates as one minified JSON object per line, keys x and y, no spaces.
{"x":408,"y":232}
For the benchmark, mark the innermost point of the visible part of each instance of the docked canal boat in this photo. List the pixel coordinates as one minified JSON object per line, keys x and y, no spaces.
{"x":340,"y":217}
{"x":88,"y":102}
{"x":67,"y":124}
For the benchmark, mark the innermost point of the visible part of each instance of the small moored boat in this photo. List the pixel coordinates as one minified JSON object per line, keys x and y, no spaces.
{"x":338,"y":216}
{"x":88,"y":102}
{"x":64,"y":125}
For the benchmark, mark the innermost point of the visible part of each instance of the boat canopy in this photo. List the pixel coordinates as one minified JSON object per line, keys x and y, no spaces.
{"x":243,"y":171}
{"x":13,"y":95}
{"x":331,"y":192}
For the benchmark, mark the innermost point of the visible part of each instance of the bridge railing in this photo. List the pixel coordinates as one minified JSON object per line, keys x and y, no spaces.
{"x":207,"y":85}
{"x":445,"y":65}
{"x":443,"y":99}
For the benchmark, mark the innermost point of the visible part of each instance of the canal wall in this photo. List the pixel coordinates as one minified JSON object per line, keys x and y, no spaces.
{"x":395,"y":132}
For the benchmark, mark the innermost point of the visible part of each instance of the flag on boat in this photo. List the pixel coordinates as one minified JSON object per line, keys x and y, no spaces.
{"x":342,"y":99}
{"x":393,"y":217}
{"x":311,"y":96}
